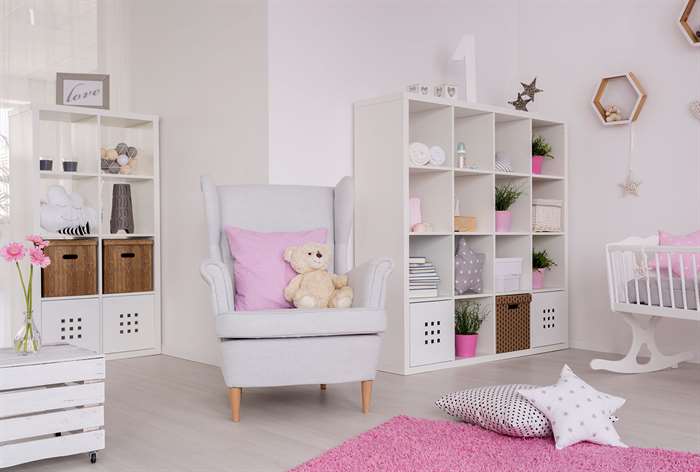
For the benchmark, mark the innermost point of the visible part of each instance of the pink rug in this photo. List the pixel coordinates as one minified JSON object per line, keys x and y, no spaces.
{"x":411,"y":444}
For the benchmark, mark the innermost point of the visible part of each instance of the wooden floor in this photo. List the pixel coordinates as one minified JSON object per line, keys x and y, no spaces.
{"x":166,"y":414}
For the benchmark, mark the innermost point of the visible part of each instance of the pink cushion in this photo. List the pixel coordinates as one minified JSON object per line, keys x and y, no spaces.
{"x":668,"y":239}
{"x":259,"y":270}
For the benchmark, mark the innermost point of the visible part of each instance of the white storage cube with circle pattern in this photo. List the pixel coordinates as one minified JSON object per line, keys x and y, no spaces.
{"x":128,"y":323}
{"x":432,"y":332}
{"x":75,"y":322}
{"x":548,"y":319}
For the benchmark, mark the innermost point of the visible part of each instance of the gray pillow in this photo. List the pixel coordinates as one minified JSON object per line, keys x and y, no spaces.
{"x":498,"y":408}
{"x":469,"y":265}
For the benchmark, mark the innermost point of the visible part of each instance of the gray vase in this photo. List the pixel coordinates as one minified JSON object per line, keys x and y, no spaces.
{"x":122,"y":217}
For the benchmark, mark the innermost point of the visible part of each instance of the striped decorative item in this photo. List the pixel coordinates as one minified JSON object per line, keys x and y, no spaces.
{"x":79,"y":230}
{"x":503,"y":164}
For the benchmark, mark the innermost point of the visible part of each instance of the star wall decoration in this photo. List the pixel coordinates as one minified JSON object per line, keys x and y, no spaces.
{"x":630,"y":186}
{"x":531,"y":89}
{"x":520,"y":103}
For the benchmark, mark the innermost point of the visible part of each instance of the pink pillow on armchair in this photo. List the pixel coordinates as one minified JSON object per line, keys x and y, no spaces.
{"x":668,"y":239}
{"x":259,"y":270}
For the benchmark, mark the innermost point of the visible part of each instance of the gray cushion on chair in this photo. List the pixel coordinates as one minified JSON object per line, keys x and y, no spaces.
{"x":299,"y":323}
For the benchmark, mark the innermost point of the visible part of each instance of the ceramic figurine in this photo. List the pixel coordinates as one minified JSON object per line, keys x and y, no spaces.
{"x":612,"y":113}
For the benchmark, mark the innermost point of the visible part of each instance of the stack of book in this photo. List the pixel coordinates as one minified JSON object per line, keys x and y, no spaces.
{"x":423,"y":279}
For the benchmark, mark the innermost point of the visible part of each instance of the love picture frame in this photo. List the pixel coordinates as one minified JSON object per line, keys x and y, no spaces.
{"x":82,"y":90}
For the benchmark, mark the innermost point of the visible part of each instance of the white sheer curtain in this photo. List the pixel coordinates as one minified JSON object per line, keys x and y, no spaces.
{"x":37,"y":39}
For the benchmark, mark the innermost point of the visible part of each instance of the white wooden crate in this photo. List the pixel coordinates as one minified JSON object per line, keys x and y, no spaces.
{"x":58,"y":390}
{"x":432,"y":332}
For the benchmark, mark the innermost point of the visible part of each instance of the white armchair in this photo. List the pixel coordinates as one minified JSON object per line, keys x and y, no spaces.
{"x":293,"y":347}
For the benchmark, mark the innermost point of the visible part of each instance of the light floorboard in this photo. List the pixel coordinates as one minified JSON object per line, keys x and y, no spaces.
{"x":166,"y":414}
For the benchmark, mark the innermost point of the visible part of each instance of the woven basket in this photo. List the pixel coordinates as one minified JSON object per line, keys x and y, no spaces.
{"x":546,"y":215}
{"x":513,"y":322}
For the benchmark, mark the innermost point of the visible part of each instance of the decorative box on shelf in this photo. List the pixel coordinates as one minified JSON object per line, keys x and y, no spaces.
{"x":128,"y":265}
{"x":508,"y":273}
{"x":51,"y":404}
{"x":465,"y":224}
{"x":513,"y":322}
{"x":546,"y":215}
{"x":73,"y":268}
{"x":432,"y":332}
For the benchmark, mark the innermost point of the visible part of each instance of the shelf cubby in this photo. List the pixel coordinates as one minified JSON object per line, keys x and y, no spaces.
{"x":134,"y":132}
{"x":484,"y":245}
{"x":86,"y":187}
{"x":555,"y":135}
{"x":623,"y":90}
{"x":555,"y":245}
{"x":517,"y":246}
{"x":65,"y":136}
{"x":689,"y":22}
{"x":431,"y":125}
{"x":435,"y":192}
{"x":439,"y":251}
{"x":513,"y":140}
{"x":522,"y":208}
{"x":142,"y":202}
{"x":475,"y":196}
{"x":552,"y":190}
{"x":486,"y":344}
{"x":476,"y":130}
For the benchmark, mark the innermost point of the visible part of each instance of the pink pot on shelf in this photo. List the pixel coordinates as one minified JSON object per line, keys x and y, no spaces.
{"x":537,"y":279}
{"x":504,"y":220}
{"x":537,"y":164}
{"x":465,"y":345}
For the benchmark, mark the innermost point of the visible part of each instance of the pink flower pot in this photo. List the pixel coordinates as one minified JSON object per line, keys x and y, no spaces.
{"x":537,"y":164}
{"x":537,"y":279}
{"x":465,"y":345}
{"x":504,"y":219}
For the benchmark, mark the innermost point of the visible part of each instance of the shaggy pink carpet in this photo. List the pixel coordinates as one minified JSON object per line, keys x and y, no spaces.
{"x":410,"y":444}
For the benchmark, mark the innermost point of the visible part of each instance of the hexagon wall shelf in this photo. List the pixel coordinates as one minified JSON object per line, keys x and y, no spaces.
{"x":688,"y":30}
{"x":622,"y":90}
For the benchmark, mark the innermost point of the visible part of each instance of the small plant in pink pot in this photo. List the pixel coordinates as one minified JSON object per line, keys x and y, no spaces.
{"x":469,"y":315}
{"x":27,"y":340}
{"x":540,"y":262}
{"x":541,"y":150}
{"x":506,"y":195}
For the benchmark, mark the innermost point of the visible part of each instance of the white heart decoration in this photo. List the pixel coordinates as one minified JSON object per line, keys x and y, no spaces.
{"x":695,"y":109}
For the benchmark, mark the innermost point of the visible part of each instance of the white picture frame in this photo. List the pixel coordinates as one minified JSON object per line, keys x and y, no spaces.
{"x":82,"y":90}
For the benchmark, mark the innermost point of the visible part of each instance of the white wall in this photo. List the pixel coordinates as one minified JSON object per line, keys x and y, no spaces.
{"x":201,"y":66}
{"x":325,"y":55}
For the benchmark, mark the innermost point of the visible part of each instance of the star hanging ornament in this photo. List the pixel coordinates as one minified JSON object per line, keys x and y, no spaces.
{"x":630,"y":186}
{"x":519,"y":103}
{"x":531,"y":89}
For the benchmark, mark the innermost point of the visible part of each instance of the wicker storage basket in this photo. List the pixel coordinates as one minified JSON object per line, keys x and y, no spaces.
{"x":73,"y":269}
{"x":513,"y":322}
{"x":546,"y":214}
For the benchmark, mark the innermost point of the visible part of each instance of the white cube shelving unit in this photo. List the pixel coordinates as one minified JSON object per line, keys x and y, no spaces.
{"x":384,"y":181}
{"x":72,"y":133}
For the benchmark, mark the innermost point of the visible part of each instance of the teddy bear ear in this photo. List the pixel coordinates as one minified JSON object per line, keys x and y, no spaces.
{"x":288,"y":253}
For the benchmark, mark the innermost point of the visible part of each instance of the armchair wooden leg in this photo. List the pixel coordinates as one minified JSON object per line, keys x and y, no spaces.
{"x":234,"y":395}
{"x":366,"y":395}
{"x":323,"y":386}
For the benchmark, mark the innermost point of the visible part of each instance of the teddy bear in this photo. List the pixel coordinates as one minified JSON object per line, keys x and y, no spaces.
{"x":314,"y":286}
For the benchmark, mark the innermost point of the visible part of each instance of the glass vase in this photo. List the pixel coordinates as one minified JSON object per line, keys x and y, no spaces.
{"x":28,"y":339}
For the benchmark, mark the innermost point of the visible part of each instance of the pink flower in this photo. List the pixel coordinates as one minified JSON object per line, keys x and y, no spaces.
{"x":38,"y":241}
{"x":13,"y":252}
{"x":38,"y":258}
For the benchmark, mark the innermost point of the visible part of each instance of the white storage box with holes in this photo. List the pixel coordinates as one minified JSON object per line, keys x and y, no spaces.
{"x":546,"y":215}
{"x":432,"y":332}
{"x":75,"y":322}
{"x":51,"y":404}
{"x":548,"y":319}
{"x":128,"y":323}
{"x":508,"y":273}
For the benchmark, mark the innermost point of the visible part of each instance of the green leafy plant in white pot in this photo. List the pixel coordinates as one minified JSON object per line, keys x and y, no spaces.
{"x":469,"y":315}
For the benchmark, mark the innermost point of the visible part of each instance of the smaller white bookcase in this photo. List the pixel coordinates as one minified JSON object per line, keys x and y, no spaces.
{"x":51,"y":404}
{"x":420,"y":331}
{"x":100,"y":322}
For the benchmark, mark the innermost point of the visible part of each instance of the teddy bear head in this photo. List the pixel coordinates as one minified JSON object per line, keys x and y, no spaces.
{"x":309,"y":257}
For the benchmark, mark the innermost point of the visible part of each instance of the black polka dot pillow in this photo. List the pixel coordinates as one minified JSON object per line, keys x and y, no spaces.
{"x":498,"y":408}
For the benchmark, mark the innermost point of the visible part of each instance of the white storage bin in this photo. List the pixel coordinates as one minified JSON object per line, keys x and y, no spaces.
{"x":75,"y":322}
{"x":508,"y":274}
{"x":548,"y":319}
{"x":432,"y":332}
{"x":546,"y":215}
{"x":128,"y":323}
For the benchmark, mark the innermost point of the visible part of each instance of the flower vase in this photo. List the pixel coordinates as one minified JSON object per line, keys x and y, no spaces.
{"x":28,"y":339}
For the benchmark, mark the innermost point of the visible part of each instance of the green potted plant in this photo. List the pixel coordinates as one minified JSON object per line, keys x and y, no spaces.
{"x":541,"y":150}
{"x":540,"y":262}
{"x":506,"y":195}
{"x":469,"y":315}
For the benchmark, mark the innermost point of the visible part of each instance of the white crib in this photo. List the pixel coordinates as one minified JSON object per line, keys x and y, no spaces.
{"x":646,"y":283}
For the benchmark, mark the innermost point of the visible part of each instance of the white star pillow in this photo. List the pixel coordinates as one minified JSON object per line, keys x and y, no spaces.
{"x":576,"y":411}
